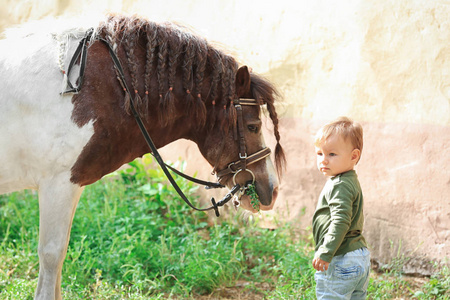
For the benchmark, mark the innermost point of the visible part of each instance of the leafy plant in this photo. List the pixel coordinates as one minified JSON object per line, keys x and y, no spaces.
{"x":438,"y":287}
{"x":254,"y":198}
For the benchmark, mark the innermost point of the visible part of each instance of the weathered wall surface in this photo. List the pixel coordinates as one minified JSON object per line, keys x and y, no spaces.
{"x":383,"y":63}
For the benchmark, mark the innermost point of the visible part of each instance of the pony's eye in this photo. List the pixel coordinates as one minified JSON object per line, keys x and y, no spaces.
{"x":252,"y":128}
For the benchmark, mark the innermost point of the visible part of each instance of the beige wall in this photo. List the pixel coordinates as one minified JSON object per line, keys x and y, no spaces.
{"x":384,"y":63}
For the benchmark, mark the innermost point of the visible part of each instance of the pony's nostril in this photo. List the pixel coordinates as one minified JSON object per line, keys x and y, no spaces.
{"x":268,"y":202}
{"x":274,"y":194}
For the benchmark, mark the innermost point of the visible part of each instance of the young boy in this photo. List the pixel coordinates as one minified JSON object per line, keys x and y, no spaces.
{"x":341,"y":259}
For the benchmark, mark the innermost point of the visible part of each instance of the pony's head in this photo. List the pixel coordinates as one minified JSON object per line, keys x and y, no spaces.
{"x":191,"y":90}
{"x":242,"y":138}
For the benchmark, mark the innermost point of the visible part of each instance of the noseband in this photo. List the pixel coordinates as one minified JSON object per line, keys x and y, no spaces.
{"x":233,"y":168}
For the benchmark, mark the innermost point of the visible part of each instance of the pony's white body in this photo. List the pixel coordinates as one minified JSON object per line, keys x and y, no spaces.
{"x":38,"y":139}
{"x":39,"y":144}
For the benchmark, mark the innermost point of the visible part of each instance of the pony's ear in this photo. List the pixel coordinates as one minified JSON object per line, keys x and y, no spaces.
{"x":242,"y":81}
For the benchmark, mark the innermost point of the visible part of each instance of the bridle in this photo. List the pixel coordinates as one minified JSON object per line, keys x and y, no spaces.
{"x":234,"y":168}
{"x":244,"y":160}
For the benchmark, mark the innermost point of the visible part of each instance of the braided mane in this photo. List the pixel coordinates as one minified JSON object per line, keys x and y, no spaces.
{"x":207,"y":74}
{"x":267,"y":93}
{"x":172,"y":52}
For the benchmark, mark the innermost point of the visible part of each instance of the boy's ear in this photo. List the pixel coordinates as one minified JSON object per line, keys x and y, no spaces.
{"x":356,"y":154}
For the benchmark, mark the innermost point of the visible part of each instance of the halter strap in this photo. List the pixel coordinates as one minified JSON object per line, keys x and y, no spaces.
{"x":237,"y":165}
{"x":240,"y":126}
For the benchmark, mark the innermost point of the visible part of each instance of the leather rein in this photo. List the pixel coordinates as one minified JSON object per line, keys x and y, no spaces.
{"x":233,"y":167}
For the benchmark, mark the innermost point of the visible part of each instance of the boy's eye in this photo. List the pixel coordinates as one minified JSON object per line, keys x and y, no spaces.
{"x":319,"y":153}
{"x":332,"y":154}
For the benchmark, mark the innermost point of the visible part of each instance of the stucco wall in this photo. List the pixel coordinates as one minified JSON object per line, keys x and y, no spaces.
{"x":383,"y":63}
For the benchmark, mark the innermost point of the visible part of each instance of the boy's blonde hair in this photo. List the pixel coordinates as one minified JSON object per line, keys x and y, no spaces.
{"x":346,"y":128}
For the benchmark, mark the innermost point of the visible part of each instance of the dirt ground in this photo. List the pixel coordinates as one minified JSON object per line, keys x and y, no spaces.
{"x":240,"y":292}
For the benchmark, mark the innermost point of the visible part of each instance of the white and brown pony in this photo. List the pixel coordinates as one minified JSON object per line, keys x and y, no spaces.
{"x":180,"y":86}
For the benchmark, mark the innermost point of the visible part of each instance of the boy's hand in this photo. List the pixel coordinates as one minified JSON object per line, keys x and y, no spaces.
{"x":320,"y":265}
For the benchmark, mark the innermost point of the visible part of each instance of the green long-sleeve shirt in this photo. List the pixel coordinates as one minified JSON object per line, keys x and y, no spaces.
{"x":338,"y":220}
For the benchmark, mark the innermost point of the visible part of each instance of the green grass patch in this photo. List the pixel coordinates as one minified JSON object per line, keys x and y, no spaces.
{"x":134,"y":238}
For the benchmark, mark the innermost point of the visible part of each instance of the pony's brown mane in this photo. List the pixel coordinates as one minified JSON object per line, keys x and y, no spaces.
{"x":172,"y":52}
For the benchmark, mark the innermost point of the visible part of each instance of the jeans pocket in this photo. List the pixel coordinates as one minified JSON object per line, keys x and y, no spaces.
{"x":347,"y":273}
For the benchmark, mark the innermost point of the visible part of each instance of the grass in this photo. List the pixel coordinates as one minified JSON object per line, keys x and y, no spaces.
{"x":133,"y":238}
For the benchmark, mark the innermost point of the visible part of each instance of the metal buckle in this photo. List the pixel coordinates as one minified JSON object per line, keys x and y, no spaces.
{"x":247,"y":170}
{"x":229,"y":167}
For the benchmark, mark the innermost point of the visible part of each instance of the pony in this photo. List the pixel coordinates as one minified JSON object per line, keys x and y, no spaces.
{"x":69,"y":104}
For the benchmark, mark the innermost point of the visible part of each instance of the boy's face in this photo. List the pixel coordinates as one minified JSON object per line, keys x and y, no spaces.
{"x":336,"y":156}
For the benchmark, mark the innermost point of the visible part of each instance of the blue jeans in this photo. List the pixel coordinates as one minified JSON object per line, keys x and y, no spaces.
{"x":347,"y":277}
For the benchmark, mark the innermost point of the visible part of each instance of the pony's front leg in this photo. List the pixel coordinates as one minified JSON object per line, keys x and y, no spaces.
{"x":58,"y":199}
